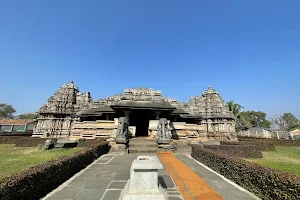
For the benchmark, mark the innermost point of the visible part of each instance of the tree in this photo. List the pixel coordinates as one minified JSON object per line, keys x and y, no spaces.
{"x":234,"y":108}
{"x":254,"y":118}
{"x":6,"y":111}
{"x":286,"y":122}
{"x":28,"y":116}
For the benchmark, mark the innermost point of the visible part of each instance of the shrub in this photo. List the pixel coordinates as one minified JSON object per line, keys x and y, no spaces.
{"x":264,"y":144}
{"x":277,"y":142}
{"x":286,"y":142}
{"x":36,"y":182}
{"x":22,"y":141}
{"x":245,"y":151}
{"x":83,"y":142}
{"x":266,"y":183}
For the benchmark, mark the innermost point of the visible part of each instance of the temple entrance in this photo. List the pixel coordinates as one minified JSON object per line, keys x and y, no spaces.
{"x":140,"y":119}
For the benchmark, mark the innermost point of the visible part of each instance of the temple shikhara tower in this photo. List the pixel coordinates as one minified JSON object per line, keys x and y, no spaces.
{"x":138,"y":112}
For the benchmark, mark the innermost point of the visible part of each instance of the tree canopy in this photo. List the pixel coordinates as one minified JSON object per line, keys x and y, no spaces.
{"x":286,"y":121}
{"x":6,"y":111}
{"x":248,"y":118}
{"x":28,"y":116}
{"x":234,"y":108}
{"x":254,"y":118}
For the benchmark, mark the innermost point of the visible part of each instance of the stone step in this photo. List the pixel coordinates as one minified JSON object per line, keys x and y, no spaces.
{"x":142,"y":150}
{"x":141,"y":140}
{"x":143,"y":144}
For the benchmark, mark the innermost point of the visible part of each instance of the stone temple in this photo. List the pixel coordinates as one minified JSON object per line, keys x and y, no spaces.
{"x":138,"y":112}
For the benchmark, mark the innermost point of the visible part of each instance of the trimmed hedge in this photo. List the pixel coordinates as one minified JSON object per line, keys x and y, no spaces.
{"x":82,"y":142}
{"x":22,"y":141}
{"x":16,"y":133}
{"x":286,"y":142}
{"x":266,"y":183}
{"x":244,"y":151}
{"x":36,"y":182}
{"x":276,"y":142}
{"x":264,"y":144}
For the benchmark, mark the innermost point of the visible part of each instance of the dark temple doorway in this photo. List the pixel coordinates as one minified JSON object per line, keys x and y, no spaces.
{"x":140,"y":119}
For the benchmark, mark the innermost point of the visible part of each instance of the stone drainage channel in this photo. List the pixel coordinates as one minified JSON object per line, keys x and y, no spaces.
{"x":118,"y":176}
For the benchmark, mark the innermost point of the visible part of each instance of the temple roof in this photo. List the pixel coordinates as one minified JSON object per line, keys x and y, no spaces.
{"x":144,"y":104}
{"x":179,"y":111}
{"x":96,"y":111}
{"x":68,"y":100}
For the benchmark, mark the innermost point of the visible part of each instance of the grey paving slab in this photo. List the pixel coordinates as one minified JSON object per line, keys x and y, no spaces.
{"x":90,"y":173}
{"x":224,"y":188}
{"x":106,"y":175}
{"x":122,"y":177}
{"x":105,"y":167}
{"x":102,"y":161}
{"x":89,"y":194}
{"x":174,"y":198}
{"x":112,"y":195}
{"x":97,"y":184}
{"x":68,"y":192}
{"x":117,"y":185}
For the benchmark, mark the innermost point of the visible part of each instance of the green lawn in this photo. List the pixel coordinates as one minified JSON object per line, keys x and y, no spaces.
{"x":285,"y":159}
{"x":16,"y":159}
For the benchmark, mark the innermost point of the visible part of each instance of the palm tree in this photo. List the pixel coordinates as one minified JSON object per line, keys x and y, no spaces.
{"x":236,"y":110}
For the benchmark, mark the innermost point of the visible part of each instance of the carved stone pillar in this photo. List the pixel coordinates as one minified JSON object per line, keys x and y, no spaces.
{"x":164,"y":132}
{"x":122,"y":131}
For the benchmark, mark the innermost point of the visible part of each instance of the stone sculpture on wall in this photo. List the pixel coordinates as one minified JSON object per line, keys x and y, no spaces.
{"x":164,"y":131}
{"x":122,"y":130}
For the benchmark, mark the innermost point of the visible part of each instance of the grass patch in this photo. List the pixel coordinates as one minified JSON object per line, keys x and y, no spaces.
{"x":285,"y":158}
{"x":16,"y":159}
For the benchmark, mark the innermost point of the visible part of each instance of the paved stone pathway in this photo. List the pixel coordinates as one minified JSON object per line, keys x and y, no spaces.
{"x":106,"y":177}
{"x":227,"y":190}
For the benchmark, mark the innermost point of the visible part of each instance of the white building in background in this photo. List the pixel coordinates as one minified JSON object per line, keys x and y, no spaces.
{"x":295,"y":134}
{"x":255,"y":132}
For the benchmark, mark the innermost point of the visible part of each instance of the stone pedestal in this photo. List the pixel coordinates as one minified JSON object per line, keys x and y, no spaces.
{"x":143,"y":183}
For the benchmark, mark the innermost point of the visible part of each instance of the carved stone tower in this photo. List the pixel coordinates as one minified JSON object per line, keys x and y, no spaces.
{"x":56,"y":117}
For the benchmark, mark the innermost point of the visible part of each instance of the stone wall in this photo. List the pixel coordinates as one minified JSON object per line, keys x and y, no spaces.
{"x":52,"y":126}
{"x":94,"y":129}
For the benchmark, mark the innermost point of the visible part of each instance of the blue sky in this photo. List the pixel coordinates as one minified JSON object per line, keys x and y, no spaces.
{"x":247,"y":50}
